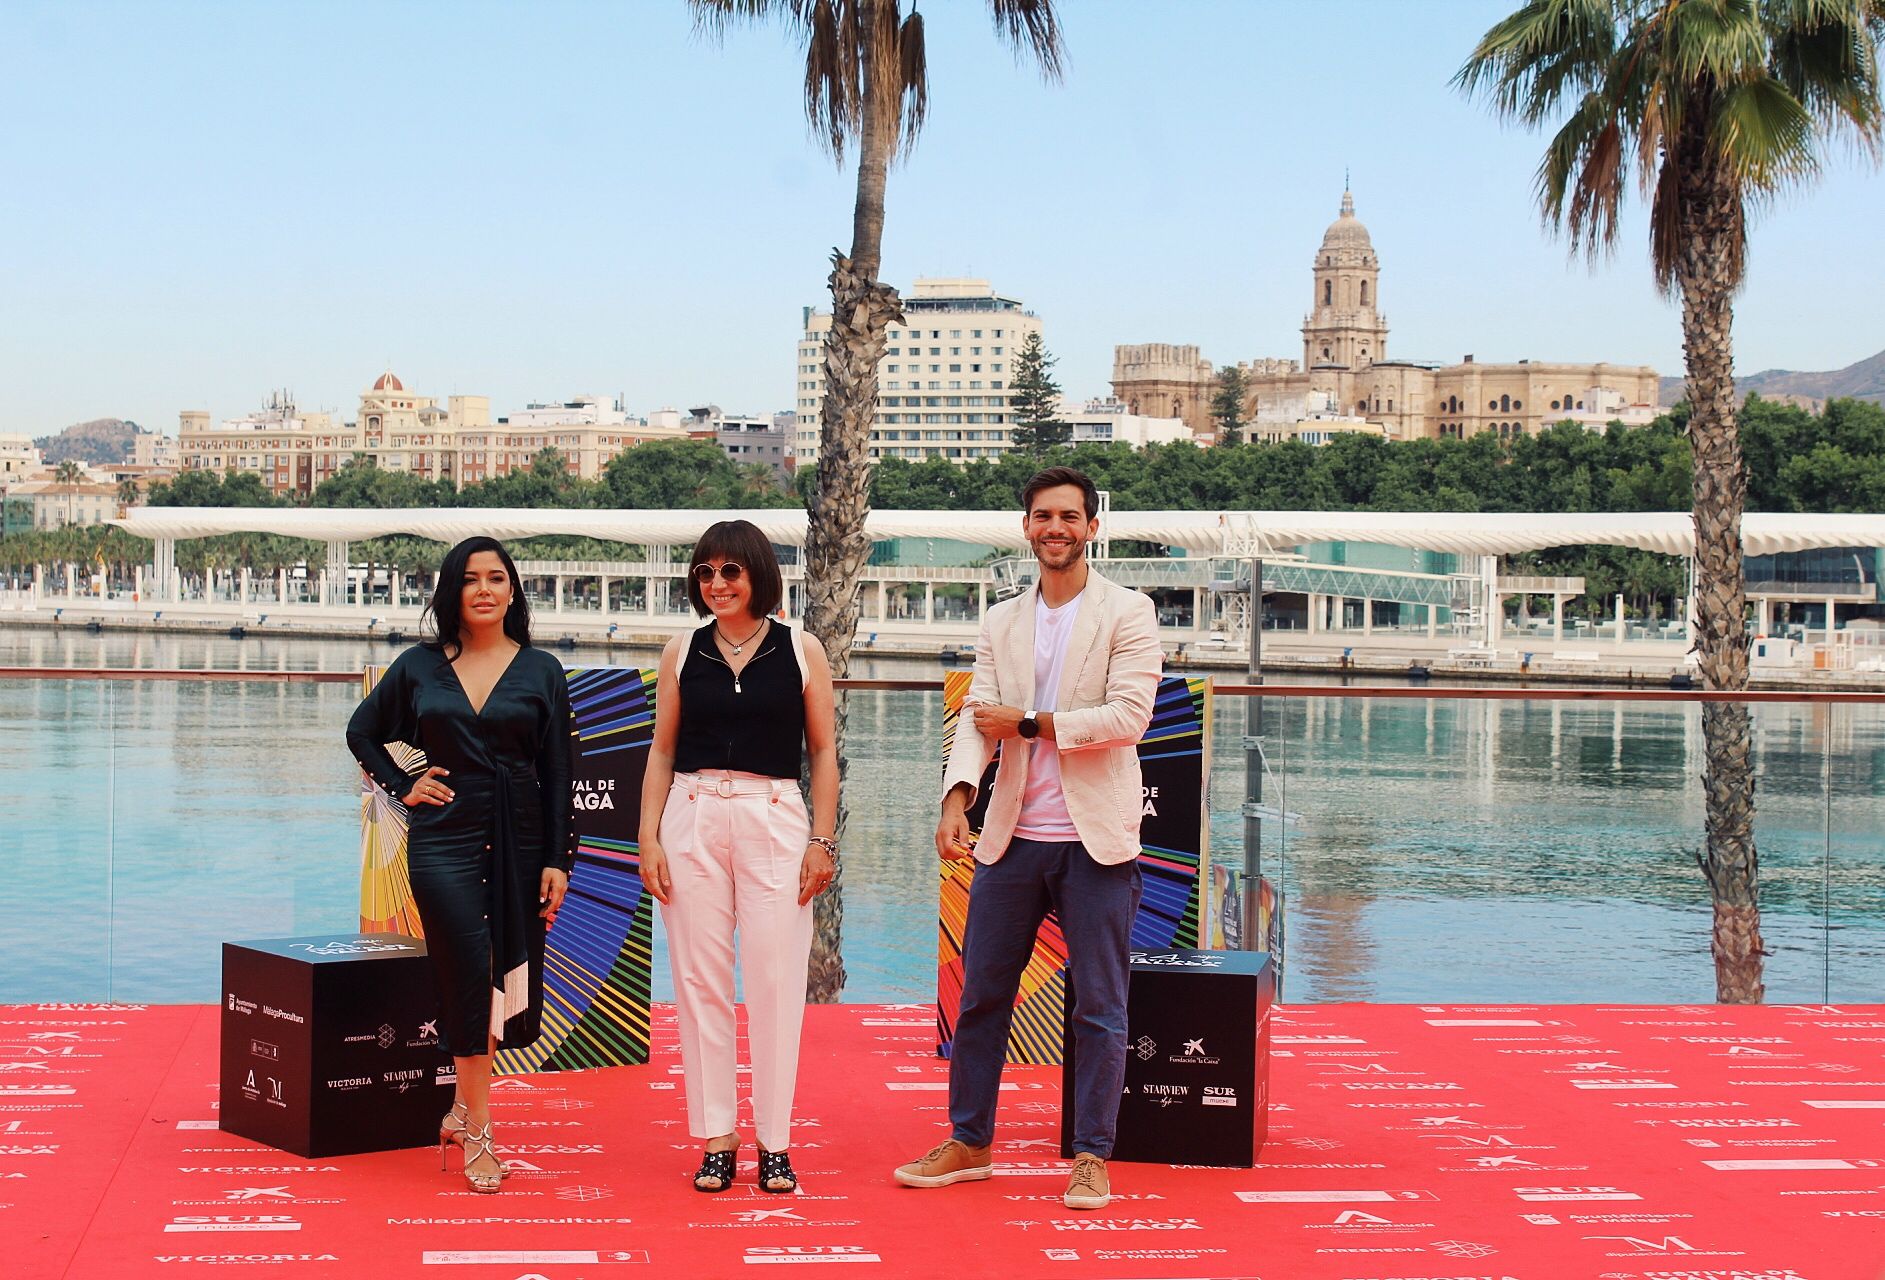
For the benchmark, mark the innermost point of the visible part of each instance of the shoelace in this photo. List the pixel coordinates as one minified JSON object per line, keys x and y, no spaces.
{"x":1085,"y":1176}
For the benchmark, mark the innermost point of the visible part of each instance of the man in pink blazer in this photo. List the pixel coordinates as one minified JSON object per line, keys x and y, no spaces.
{"x":1065,"y":677}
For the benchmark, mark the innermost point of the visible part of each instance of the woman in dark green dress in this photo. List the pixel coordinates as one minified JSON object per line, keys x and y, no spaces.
{"x":487,"y":848}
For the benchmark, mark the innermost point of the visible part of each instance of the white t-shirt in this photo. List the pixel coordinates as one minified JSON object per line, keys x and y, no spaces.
{"x":1043,"y":805}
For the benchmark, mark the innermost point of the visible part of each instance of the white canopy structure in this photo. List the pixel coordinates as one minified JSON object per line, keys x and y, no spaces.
{"x":1668,"y":532}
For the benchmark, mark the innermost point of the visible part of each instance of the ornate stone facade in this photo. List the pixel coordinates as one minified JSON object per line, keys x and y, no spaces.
{"x":1345,"y":359}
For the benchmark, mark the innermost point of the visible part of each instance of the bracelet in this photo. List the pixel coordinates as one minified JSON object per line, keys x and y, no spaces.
{"x":829,"y":845}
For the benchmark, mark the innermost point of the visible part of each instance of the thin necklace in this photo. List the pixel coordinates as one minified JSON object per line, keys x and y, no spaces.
{"x":721,"y":632}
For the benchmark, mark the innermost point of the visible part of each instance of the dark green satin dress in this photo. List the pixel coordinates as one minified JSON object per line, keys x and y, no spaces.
{"x":477,"y":861}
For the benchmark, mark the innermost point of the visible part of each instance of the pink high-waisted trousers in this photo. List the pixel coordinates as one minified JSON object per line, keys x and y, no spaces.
{"x":735,"y":843}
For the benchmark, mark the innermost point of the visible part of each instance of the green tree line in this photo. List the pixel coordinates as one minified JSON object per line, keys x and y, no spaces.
{"x":1797,"y":461}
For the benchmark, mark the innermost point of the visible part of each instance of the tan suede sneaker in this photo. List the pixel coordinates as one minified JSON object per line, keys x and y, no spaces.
{"x":1087,"y":1185}
{"x":947,"y":1162}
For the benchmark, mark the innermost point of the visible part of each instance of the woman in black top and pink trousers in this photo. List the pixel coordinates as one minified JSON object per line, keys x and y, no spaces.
{"x":727,"y":845}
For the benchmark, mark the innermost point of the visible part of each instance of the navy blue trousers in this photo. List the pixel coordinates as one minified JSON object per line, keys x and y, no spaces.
{"x":1008,"y":899}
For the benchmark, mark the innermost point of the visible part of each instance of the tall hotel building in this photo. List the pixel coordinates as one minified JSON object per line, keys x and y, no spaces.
{"x":942,"y":385}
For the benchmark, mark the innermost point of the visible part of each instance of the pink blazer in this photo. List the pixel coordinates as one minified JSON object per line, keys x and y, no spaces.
{"x":1111,"y":678}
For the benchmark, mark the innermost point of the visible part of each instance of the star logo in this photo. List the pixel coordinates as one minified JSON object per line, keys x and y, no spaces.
{"x":258,"y":1193}
{"x":1435,"y":1122}
{"x":767,"y":1215}
{"x":429,"y":1030}
{"x":54,"y":1035}
{"x":1194,"y":1047}
{"x":1494,"y":1162}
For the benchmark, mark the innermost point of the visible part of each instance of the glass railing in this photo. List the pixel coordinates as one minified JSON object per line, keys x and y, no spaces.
{"x":1443,"y":845}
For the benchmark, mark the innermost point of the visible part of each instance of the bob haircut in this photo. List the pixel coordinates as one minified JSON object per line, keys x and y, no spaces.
{"x":448,"y":599}
{"x":1053,"y":478}
{"x":741,"y":542}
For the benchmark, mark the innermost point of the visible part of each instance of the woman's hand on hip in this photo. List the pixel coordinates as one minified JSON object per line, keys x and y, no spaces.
{"x":654,"y":871}
{"x":551,"y":890}
{"x":428,"y":789}
{"x":816,"y":872}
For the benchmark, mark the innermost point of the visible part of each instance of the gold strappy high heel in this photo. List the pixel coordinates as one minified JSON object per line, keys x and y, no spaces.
{"x":477,"y":1144}
{"x":451,"y":1129}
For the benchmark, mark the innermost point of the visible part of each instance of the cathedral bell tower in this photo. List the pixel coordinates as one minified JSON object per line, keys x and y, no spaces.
{"x":1344,"y":329}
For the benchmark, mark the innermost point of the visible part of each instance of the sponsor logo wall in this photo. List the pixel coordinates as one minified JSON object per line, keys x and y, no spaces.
{"x":595,"y":979}
{"x":113,"y":1168}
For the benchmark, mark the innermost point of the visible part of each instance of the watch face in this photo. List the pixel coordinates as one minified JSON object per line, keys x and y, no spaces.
{"x":1028,"y":727}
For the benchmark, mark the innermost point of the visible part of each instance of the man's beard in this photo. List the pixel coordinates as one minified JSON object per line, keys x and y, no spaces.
{"x":1053,"y":559}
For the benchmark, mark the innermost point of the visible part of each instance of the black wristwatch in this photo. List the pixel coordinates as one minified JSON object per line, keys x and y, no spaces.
{"x":1029,"y":726}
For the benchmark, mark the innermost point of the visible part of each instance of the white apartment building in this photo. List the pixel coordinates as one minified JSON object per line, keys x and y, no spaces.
{"x":1108,"y":422}
{"x":1313,"y":418}
{"x":746,"y":438}
{"x":583,"y":429}
{"x":19,"y":457}
{"x":943,"y":380}
{"x":155,"y":450}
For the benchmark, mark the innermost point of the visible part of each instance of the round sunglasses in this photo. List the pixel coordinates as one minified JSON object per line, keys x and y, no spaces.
{"x":728,"y":571}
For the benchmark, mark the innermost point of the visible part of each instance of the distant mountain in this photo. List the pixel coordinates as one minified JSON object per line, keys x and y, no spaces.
{"x":100,"y":440}
{"x":1862,"y":381}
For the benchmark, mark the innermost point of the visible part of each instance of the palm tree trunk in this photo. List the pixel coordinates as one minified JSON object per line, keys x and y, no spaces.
{"x":837,"y":544}
{"x":1707,"y":271}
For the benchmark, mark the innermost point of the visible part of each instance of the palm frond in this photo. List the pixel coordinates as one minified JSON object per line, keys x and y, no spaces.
{"x":1719,"y":42}
{"x":1826,"y":54}
{"x":912,"y":81}
{"x":1581,"y":180}
{"x":713,"y":18}
{"x":1763,"y":135}
{"x":1545,"y":52}
{"x":1032,"y":26}
{"x":1665,"y":225}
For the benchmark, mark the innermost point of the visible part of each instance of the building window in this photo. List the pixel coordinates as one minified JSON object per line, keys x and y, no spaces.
{"x":1328,"y":294}
{"x":1505,"y":404}
{"x":1364,"y":293}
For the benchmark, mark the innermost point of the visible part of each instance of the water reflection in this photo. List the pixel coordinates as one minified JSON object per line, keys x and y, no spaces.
{"x":1450,"y":849}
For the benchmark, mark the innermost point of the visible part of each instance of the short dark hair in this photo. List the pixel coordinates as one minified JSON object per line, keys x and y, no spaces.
{"x":1053,"y":478}
{"x":741,"y":542}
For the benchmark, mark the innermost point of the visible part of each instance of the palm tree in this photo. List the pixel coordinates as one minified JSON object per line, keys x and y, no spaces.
{"x":68,"y":473}
{"x":1715,"y":107}
{"x":866,"y":86}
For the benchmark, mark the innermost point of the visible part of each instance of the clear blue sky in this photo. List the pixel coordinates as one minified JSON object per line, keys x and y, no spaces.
{"x":205,"y":201}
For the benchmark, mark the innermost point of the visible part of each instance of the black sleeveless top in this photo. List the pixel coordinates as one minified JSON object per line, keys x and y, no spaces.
{"x":755,"y":724}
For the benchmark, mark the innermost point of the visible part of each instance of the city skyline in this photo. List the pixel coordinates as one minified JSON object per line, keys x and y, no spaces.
{"x":213,"y":201}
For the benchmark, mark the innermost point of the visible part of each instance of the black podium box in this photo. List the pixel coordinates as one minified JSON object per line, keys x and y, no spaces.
{"x":1197,"y":1059}
{"x":330,"y":1044}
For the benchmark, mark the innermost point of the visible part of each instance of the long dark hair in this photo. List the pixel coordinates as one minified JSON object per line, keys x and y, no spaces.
{"x":445,"y":611}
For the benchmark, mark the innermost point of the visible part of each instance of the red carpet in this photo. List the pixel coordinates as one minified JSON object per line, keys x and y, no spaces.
{"x":1628,"y":1143}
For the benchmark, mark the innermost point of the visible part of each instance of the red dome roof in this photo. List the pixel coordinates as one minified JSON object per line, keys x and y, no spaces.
{"x":388,"y":382}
